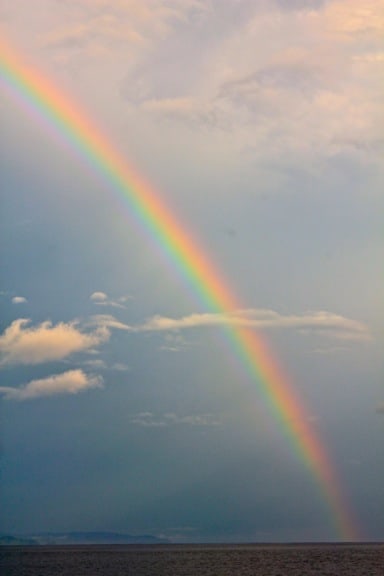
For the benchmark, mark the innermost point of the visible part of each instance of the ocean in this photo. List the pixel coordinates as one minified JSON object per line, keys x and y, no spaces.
{"x":194,"y":560}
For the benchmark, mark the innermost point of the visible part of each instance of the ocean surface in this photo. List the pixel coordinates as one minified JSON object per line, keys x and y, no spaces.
{"x":194,"y":560}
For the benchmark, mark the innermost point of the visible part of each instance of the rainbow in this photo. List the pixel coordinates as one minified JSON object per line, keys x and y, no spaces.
{"x":36,"y":93}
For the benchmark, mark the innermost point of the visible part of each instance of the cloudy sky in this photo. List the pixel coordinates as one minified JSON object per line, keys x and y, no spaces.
{"x":260,"y":126}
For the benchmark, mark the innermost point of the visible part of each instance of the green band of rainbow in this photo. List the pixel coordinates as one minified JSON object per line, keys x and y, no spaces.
{"x":36,"y":92}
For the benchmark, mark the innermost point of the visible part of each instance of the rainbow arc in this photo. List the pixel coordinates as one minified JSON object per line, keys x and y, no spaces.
{"x":36,"y":93}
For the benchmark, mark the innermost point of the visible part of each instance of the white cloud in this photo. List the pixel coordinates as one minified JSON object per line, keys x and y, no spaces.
{"x":150,"y":420}
{"x":19,"y":300}
{"x":99,"y":297}
{"x":70,"y":382}
{"x":21,"y":344}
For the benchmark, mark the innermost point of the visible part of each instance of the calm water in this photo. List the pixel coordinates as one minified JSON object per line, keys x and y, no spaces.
{"x":194,"y":560}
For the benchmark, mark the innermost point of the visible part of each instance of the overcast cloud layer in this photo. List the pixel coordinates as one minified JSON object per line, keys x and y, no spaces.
{"x":260,"y":125}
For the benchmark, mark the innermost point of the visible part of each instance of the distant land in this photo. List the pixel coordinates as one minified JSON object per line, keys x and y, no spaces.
{"x":6,"y":540}
{"x":64,"y":538}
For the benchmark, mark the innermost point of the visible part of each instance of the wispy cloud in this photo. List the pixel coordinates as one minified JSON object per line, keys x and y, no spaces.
{"x":120,"y":367}
{"x":96,"y":364}
{"x":151,"y":420}
{"x":327,"y":323}
{"x":22,"y":344}
{"x":323,"y":323}
{"x":99,"y":364}
{"x":102,"y":299}
{"x":174,"y":342}
{"x":70,"y":382}
{"x":329,"y":350}
{"x":107,"y":321}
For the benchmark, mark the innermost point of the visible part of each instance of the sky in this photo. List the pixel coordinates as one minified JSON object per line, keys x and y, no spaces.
{"x":124,"y":406}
